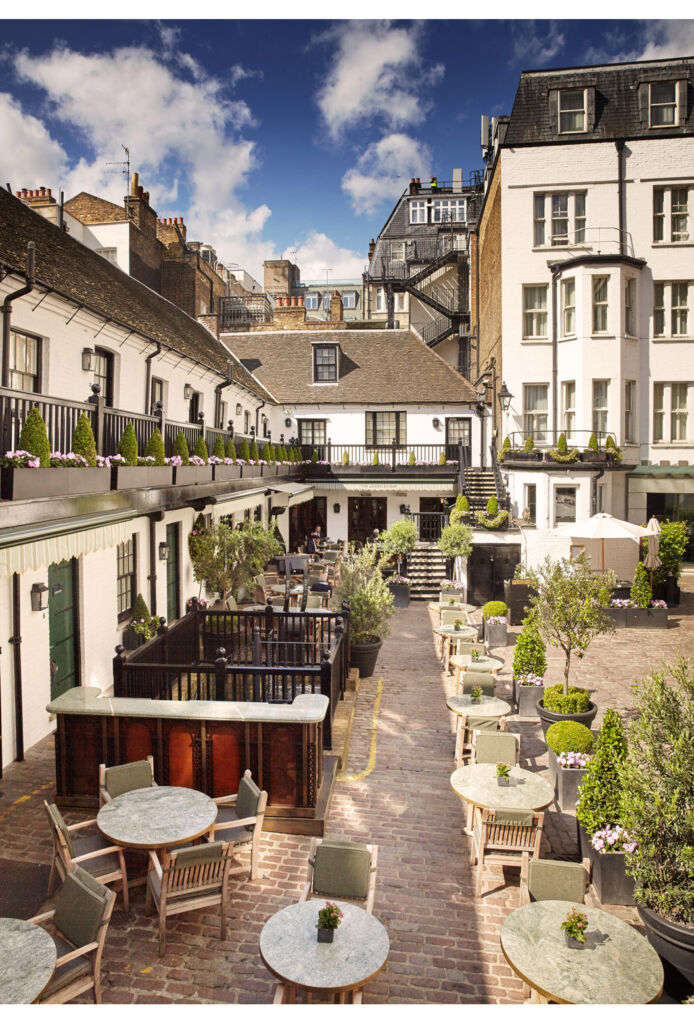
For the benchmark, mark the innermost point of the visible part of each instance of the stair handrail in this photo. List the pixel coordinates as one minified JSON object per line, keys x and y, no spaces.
{"x":502,"y":497}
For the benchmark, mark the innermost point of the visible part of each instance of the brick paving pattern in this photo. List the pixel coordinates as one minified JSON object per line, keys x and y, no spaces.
{"x":444,"y":942}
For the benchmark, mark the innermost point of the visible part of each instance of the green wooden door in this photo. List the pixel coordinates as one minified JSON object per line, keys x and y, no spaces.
{"x":173,"y":571}
{"x":63,"y":629}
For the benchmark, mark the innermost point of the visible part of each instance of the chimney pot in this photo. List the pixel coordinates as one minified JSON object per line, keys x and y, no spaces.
{"x":48,"y":191}
{"x":18,"y":194}
{"x":134,"y":178}
{"x":301,"y":300}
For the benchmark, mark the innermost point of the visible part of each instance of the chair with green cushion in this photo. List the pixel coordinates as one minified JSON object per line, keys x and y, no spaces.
{"x":505,"y":836}
{"x":342,"y":870}
{"x":240,"y":820}
{"x":554,"y":880}
{"x":83,"y":908}
{"x":314,"y":601}
{"x":330,"y":555}
{"x":105,"y":863}
{"x":467,"y":724}
{"x":124,"y":778}
{"x":195,"y":877}
{"x":469,"y":679}
{"x":493,"y":747}
{"x":465,"y":647}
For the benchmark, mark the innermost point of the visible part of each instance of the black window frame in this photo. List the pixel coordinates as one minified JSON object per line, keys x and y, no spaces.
{"x":332,"y":364}
{"x":371,"y":428}
{"x":106,"y":392}
{"x":128,"y":561}
{"x":305,"y":439}
{"x":14,"y":334}
{"x":156,"y":384}
{"x":194,"y":407}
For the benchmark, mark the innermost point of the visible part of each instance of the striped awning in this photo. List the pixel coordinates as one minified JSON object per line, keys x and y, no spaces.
{"x":383,"y":486}
{"x":38,"y":546}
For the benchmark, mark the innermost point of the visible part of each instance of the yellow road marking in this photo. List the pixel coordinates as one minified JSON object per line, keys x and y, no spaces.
{"x":371,"y":764}
{"x":21,"y":799}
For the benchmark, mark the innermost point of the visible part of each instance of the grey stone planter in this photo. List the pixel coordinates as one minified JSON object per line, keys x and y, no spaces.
{"x":566,"y":782}
{"x":364,"y":657}
{"x":130,"y":477}
{"x":618,"y":616}
{"x":526,"y":698}
{"x":222,"y":472}
{"x":17,"y":484}
{"x":496,"y":634}
{"x":548,"y":718}
{"x":647,"y":618}
{"x":401,"y":594}
{"x":608,"y":871}
{"x":192,"y":475}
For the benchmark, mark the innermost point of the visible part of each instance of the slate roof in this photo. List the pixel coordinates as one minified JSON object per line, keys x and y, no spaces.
{"x":102,"y":210}
{"x":617,"y":101}
{"x":69,"y":268}
{"x":376,"y":367}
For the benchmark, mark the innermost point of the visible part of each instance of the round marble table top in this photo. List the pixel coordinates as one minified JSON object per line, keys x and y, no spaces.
{"x":616,"y":965}
{"x":157,"y":817}
{"x":477,"y":784}
{"x":489,"y":707}
{"x":289,"y":947}
{"x":466,"y":633}
{"x":27,"y":960}
{"x":439,"y":606}
{"x":483,"y":664}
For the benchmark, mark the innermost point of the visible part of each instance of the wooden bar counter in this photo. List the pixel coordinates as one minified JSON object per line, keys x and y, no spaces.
{"x":203,"y":745}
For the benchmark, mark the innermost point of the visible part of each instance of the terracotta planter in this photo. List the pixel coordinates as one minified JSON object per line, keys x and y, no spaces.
{"x":548,"y":718}
{"x":673,"y":942}
{"x":364,"y":657}
{"x":27,"y":484}
{"x":131,"y":477}
{"x":526,"y":698}
{"x":192,"y":475}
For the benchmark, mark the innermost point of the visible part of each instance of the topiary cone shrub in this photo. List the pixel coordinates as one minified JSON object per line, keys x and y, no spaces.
{"x":562,"y":446}
{"x":230,"y":450}
{"x":34,"y":438}
{"x":599,"y":803}
{"x":529,"y":445}
{"x":412,"y":459}
{"x":180,"y":448}
{"x":244,"y":451}
{"x":529,"y":654}
{"x":83,"y":442}
{"x":374,"y":461}
{"x":345,"y":459}
{"x":155,"y":447}
{"x":201,"y":450}
{"x":492,"y":507}
{"x":267,"y":454}
{"x":641,"y":587}
{"x":127,"y":446}
{"x":140,"y":610}
{"x":254,"y":452}
{"x":442,"y":459}
{"x":593,"y":443}
{"x":218,"y":450}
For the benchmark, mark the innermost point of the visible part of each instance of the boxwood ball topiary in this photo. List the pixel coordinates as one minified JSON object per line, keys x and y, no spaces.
{"x":574,"y":703}
{"x":155,"y":447}
{"x":83,"y":442}
{"x":34,"y":438}
{"x":127,"y":446}
{"x":565,"y":736}
{"x":494,"y":608}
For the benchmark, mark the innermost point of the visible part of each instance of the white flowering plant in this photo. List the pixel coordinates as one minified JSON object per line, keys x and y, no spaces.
{"x":573,"y":759}
{"x":530,"y":679}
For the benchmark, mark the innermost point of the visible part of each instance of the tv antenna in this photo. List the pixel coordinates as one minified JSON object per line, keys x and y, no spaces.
{"x":124,"y":164}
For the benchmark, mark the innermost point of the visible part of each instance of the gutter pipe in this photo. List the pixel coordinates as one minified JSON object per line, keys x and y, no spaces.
{"x":6,"y":310}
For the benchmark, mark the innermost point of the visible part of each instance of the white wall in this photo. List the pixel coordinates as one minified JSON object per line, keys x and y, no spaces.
{"x":347,"y":425}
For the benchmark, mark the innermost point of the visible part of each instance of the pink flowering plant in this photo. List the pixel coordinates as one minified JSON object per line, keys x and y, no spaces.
{"x":530,"y":679}
{"x":573,"y":759}
{"x":613,"y":839}
{"x":175,"y":460}
{"x":497,"y":620}
{"x":658,"y":604}
{"x":329,"y":916}
{"x":146,"y":627}
{"x":575,"y":925}
{"x":19,"y":459}
{"x":452,"y":585}
{"x":68,"y":460}
{"x":623,"y":602}
{"x":106,"y":461}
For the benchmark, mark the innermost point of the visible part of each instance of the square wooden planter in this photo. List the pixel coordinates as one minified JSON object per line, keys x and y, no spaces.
{"x":192,"y":475}
{"x":222,"y":472}
{"x":27,"y":484}
{"x":130,"y":477}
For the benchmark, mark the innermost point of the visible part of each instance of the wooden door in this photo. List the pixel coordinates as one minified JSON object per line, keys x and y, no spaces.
{"x":365,"y":516}
{"x":173,"y":573}
{"x":63,"y":626}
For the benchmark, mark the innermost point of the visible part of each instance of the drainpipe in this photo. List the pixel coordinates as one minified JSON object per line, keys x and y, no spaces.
{"x":148,"y":377}
{"x":477,"y":302}
{"x":619,"y":143}
{"x":229,"y":379}
{"x":594,"y":496}
{"x":555,"y":369}
{"x":257,"y":428}
{"x":16,"y":640}
{"x":152,"y":567}
{"x":6,"y":310}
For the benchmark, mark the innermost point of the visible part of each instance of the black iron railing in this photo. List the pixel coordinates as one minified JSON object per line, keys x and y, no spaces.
{"x":429,"y":524}
{"x":546,"y":438}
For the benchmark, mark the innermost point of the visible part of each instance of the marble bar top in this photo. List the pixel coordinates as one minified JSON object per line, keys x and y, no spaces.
{"x":307,"y":708}
{"x":616,"y":965}
{"x":290,"y":949}
{"x":27,"y":960}
{"x":477,"y":783}
{"x":489,"y":707}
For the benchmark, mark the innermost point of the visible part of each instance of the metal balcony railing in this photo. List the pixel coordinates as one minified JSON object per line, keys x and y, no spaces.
{"x":603,"y":241}
{"x":546,"y":438}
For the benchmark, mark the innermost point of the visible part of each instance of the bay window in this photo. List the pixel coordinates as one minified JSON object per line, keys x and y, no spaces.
{"x":600,"y":305}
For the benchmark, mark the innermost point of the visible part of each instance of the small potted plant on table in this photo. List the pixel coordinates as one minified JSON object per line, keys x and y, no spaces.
{"x":574,"y":928}
{"x":476,"y":695}
{"x":503,"y":774}
{"x":329,"y":918}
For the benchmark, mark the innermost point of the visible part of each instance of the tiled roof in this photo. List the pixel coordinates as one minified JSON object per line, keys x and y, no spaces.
{"x":376,"y":367}
{"x":100,"y":210}
{"x":69,"y":268}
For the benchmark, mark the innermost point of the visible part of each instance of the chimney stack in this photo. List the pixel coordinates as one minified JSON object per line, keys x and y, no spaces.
{"x":337,"y":313}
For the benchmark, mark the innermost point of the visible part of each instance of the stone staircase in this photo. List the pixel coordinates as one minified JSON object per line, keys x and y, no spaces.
{"x":426,"y":567}
{"x":479,"y":487}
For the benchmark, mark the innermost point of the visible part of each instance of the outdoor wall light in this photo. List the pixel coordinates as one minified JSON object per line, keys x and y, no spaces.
{"x":436,"y":422}
{"x":239,"y":410}
{"x":187,"y":392}
{"x":336,"y":507}
{"x":88,"y":356}
{"x":163,"y":551}
{"x":404,"y":510}
{"x":505,"y":398}
{"x":39,"y":597}
{"x":288,"y":422}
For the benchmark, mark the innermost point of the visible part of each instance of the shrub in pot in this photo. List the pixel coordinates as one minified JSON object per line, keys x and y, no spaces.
{"x":180,"y":448}
{"x":397,"y":542}
{"x":370,"y":601}
{"x":33,"y":437}
{"x":657,"y":808}
{"x":127,"y":446}
{"x":599,"y":809}
{"x":495,"y":618}
{"x":455,"y":542}
{"x":529,"y":667}
{"x":139,"y":613}
{"x":569,"y":746}
{"x":83,"y":442}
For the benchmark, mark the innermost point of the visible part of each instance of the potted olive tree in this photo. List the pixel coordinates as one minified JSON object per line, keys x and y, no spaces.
{"x":370,"y":606}
{"x":602,"y":836}
{"x":529,"y":667}
{"x":456,"y":543}
{"x":569,"y":746}
{"x":226,"y":559}
{"x":397,"y":542}
{"x":657,"y":808}
{"x":569,"y":610}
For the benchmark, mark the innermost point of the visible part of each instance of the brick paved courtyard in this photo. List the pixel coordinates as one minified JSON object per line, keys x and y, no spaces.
{"x":395,"y":792}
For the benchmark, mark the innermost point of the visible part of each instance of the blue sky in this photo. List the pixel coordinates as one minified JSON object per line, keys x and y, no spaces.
{"x":277,"y":137}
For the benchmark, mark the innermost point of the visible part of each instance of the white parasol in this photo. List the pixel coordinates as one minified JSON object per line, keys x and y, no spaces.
{"x":602,"y":527}
{"x":652,"y":561}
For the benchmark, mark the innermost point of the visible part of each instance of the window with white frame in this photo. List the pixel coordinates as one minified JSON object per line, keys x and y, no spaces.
{"x":658,"y":412}
{"x":566,"y":214}
{"x":671,"y":213}
{"x":629,"y":406}
{"x":535,"y":411}
{"x":662,"y":104}
{"x":326,"y":301}
{"x":418,"y":211}
{"x":671,"y":411}
{"x":530,"y":503}
{"x":246,"y":421}
{"x":448,"y":211}
{"x":535,"y":310}
{"x":399,"y":301}
{"x":568,"y":404}
{"x":679,"y":395}
{"x":568,"y":306}
{"x":629,"y":316}
{"x":349,"y":300}
{"x":380,"y":300}
{"x":671,"y":297}
{"x":311,"y":300}
{"x":564,"y":505}
{"x":572,"y":111}
{"x":397,"y":250}
{"x":600,"y":305}
{"x":600,"y":406}
{"x":539,"y":218}
{"x":110,"y":254}
{"x":24,"y":362}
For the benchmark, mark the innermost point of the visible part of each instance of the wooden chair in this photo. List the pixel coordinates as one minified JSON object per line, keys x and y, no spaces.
{"x":503,"y":836}
{"x":466,"y":726}
{"x":105,"y":863}
{"x":553,"y":880}
{"x":79,"y":920}
{"x":195,"y":877}
{"x":468,"y":679}
{"x":124,"y":778}
{"x":240,"y":819}
{"x":491,"y":748}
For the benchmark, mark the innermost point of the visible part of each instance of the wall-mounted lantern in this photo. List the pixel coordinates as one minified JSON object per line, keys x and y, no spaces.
{"x":436,"y":422}
{"x":239,"y":410}
{"x":505,"y":398}
{"x":336,"y":508}
{"x":88,"y":358}
{"x":288,"y":421}
{"x":187,"y":392}
{"x":163,"y":551}
{"x":39,"y":597}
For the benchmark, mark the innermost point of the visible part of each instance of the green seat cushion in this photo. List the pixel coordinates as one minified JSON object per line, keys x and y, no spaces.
{"x":124,"y":778}
{"x":248,"y":799}
{"x":495,"y":747}
{"x":512,"y":816}
{"x":488,"y":724}
{"x":95,"y":865}
{"x":341,"y":870}
{"x":59,"y":823}
{"x":205,"y":853}
{"x":556,"y":880}
{"x":66,"y":972}
{"x":79,"y":907}
{"x":483,"y":680}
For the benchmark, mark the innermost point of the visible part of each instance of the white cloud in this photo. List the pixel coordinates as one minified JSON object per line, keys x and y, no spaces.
{"x":383,"y":169}
{"x":30,"y":156}
{"x":377,"y":73}
{"x":237,"y":72}
{"x":534,"y":48}
{"x":658,"y":40}
{"x":318,"y":254}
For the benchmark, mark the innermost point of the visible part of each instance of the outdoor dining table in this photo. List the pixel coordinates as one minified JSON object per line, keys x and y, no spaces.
{"x":27,"y":960}
{"x":157,"y":817}
{"x":290,"y":950}
{"x":449,"y":633}
{"x":486,"y":707}
{"x":477,"y":785}
{"x":456,"y":606}
{"x":616,"y":965}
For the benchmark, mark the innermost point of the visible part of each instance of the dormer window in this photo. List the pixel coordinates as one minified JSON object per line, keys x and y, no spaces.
{"x":324,"y":363}
{"x":663,"y":104}
{"x":572,"y":111}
